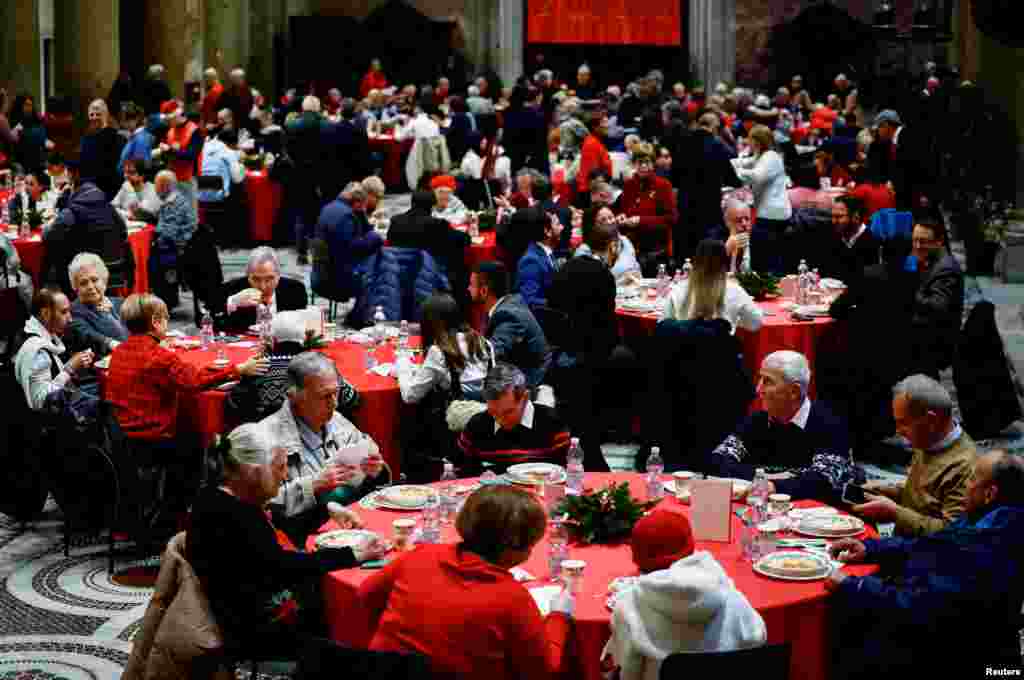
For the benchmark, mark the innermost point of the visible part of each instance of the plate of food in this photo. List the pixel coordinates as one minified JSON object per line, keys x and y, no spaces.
{"x":829,"y":526}
{"x":794,"y":565}
{"x":344,"y":538}
{"x":535,"y":473}
{"x":405,"y":496}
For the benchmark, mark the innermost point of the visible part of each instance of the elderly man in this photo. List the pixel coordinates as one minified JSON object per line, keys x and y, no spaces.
{"x":211,"y":101}
{"x":239,"y":99}
{"x":511,"y":327}
{"x":513,"y":429}
{"x":803,"y":441}
{"x":477,"y":104}
{"x":736,"y":214}
{"x":262,"y":285}
{"x":585,"y":88}
{"x":176,"y":221}
{"x":958,"y":589}
{"x":329,"y":459}
{"x":857,"y":248}
{"x":306,"y":143}
{"x":181,"y":147}
{"x":341,"y":242}
{"x":939,"y":301}
{"x":38,"y":366}
{"x":936,"y":488}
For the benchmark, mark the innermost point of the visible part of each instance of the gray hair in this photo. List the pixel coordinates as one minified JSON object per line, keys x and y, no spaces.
{"x":305,"y":365}
{"x":733,"y":203}
{"x":793,"y":367}
{"x":211,"y":73}
{"x":354,"y":192}
{"x":166,"y":175}
{"x":584,"y":68}
{"x":248,"y":444}
{"x":374,"y":185}
{"x":473,"y":91}
{"x":924,"y":394}
{"x":155,"y":71}
{"x":502,"y":378}
{"x":227,"y":114}
{"x":260,"y":255}
{"x":238,"y":73}
{"x":543,"y":75}
{"x":84,"y":260}
{"x":311,"y":103}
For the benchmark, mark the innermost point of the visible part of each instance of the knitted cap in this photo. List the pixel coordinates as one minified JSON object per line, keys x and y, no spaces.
{"x":661,"y":538}
{"x":443,"y":181}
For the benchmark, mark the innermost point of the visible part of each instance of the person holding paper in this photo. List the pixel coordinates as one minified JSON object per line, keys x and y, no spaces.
{"x":802,"y":438}
{"x":328,"y":458}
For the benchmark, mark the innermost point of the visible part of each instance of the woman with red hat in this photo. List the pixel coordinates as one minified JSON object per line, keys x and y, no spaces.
{"x":447,"y":205}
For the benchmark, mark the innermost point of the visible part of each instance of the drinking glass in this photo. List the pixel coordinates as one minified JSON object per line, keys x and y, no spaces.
{"x":403,"y":530}
{"x":572,"y":575}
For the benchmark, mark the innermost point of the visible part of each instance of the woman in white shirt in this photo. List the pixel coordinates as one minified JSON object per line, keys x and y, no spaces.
{"x":485,"y":158}
{"x":137,"y":198}
{"x":766,"y":176}
{"x":710,"y":293}
{"x":452,"y":348}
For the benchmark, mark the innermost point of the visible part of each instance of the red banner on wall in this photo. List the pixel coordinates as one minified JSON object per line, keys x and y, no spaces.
{"x":605,"y":22}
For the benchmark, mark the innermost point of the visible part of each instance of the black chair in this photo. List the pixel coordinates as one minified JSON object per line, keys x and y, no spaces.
{"x":770,"y":662}
{"x":556,"y":327}
{"x":222,"y":217}
{"x":107,"y":242}
{"x":322,"y":278}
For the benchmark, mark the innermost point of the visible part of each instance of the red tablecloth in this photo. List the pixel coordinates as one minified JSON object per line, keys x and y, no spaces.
{"x":778,"y":331}
{"x":794,"y":612}
{"x":377,"y":416}
{"x":393,"y":151}
{"x":32,"y":252}
{"x":264,"y":197}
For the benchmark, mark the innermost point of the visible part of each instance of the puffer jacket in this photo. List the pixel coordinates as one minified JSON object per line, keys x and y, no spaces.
{"x":179,"y":637}
{"x":399,"y":280}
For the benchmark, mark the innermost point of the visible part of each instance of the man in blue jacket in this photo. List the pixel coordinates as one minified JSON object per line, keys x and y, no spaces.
{"x":951,"y":598}
{"x":537,"y":265}
{"x":348,"y":242}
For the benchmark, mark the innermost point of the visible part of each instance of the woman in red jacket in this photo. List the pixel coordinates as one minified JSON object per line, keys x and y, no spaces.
{"x":460,"y":606}
{"x":593,"y":154}
{"x":373,"y":80}
{"x":648,"y":204}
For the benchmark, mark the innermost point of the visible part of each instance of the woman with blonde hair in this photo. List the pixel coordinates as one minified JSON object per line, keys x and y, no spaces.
{"x":765,"y":173}
{"x":710,"y":293}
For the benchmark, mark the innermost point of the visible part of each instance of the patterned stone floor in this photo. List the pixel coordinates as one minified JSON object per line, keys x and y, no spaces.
{"x":66,"y":618}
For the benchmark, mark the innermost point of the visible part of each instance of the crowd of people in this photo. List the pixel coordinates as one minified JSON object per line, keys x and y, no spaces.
{"x":726,"y":180}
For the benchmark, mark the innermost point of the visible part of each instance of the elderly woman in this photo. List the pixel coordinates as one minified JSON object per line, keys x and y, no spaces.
{"x":95,"y":318}
{"x":509,"y":638}
{"x":255,"y":585}
{"x":766,"y":175}
{"x":101,"y":150}
{"x":648,"y":202}
{"x":447,"y":205}
{"x":137,"y":199}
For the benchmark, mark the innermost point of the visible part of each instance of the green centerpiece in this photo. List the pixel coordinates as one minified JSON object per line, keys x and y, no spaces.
{"x":759,"y":286}
{"x":605,"y":515}
{"x":34,"y":218}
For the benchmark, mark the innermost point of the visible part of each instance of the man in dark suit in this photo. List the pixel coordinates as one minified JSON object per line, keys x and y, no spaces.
{"x":537,"y":265}
{"x":855,"y":248}
{"x":263,"y":285}
{"x":511,"y":327}
{"x":939,"y":302}
{"x":345,"y":154}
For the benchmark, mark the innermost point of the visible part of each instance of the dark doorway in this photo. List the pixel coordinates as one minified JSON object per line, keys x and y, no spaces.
{"x":131,"y":20}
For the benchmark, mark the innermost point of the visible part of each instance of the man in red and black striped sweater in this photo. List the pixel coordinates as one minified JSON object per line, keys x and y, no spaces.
{"x":513,"y":429}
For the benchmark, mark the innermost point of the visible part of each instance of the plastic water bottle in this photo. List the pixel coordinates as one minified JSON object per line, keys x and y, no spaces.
{"x":430,"y":520}
{"x":663,"y":281}
{"x":750,"y":538}
{"x":206,"y":329}
{"x":380,"y":333}
{"x":655,"y":466}
{"x":264,"y":318}
{"x":403,"y":335}
{"x":574,"y":468}
{"x":448,"y":500}
{"x":678,"y":278}
{"x":558,"y":548}
{"x":758,"y":496}
{"x":687,"y":268}
{"x":803,"y":283}
{"x":554,"y":493}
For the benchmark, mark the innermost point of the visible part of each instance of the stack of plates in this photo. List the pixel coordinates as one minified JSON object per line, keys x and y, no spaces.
{"x":829,"y":526}
{"x":344,"y":538}
{"x":404,"y":497}
{"x":792,"y":565}
{"x":535,"y":473}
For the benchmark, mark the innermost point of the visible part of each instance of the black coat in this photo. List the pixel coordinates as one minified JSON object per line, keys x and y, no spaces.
{"x":290,"y":294}
{"x":937,"y":314}
{"x":702,"y":167}
{"x":985,"y":383}
{"x":100,"y":155}
{"x":584,"y":290}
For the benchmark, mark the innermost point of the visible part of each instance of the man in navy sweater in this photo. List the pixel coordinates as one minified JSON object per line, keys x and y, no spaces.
{"x":804,"y":446}
{"x":344,"y":243}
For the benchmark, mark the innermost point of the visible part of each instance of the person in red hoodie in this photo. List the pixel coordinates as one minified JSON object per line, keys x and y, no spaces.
{"x":459,"y":605}
{"x":373,"y":80}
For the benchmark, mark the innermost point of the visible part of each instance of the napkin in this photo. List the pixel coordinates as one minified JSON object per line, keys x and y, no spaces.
{"x":543,"y":597}
{"x":521,"y":575}
{"x":103,"y":363}
{"x":384,"y":370}
{"x":243,"y":344}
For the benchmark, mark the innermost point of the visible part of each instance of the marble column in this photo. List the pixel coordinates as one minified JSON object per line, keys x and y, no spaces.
{"x":712,"y":38}
{"x":507,"y":44}
{"x":88,"y":45}
{"x":175,"y":38}
{"x":21,"y":49}
{"x":227,"y":34}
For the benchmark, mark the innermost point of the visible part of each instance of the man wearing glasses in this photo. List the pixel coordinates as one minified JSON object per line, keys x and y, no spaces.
{"x":329,"y":459}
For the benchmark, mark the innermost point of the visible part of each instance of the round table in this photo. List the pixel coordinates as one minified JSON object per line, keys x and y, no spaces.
{"x":393,"y":150}
{"x":264,"y":196}
{"x":380,"y":400}
{"x":32,"y":252}
{"x":778,"y":331}
{"x":794,"y":612}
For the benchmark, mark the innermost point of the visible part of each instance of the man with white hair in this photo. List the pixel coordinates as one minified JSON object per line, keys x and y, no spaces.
{"x":261,"y":285}
{"x":585,"y":88}
{"x":211,"y":101}
{"x":803,"y":443}
{"x":476,"y":104}
{"x":342,"y":241}
{"x":935,"y":492}
{"x":176,"y":221}
{"x":737,"y":216}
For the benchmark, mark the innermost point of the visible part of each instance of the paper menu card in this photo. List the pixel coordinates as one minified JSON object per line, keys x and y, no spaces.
{"x":710,"y":516}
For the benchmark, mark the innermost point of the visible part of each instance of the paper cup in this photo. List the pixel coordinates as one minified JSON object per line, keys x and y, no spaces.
{"x":403,"y":530}
{"x":779,"y":504}
{"x":572,"y":575}
{"x":682,"y":481}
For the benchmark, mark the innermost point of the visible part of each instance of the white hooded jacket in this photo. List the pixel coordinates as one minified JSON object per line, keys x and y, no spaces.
{"x":693,"y":606}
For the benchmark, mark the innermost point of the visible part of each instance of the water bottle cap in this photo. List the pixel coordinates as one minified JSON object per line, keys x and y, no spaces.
{"x":574,"y":441}
{"x":655,"y":449}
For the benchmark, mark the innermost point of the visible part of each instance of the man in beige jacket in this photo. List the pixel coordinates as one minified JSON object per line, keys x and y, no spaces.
{"x":936,"y":488}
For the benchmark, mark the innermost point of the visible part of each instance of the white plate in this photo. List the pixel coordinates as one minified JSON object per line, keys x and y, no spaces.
{"x":832,"y":284}
{"x":220,"y":363}
{"x":254,"y":329}
{"x":343,"y":538}
{"x":815,"y":526}
{"x":776,"y":557}
{"x":801,"y":513}
{"x":406,"y":496}
{"x":523,"y":473}
{"x":811,"y":310}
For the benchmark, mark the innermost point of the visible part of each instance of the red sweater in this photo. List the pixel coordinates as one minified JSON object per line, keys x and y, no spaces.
{"x":875,"y":197}
{"x":593,"y":154}
{"x":654,"y":203}
{"x":469,"y":616}
{"x":372,"y":81}
{"x":144,"y":382}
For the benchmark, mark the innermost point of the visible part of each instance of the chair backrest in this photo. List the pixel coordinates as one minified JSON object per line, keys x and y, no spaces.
{"x":770,"y":662}
{"x":554,"y":323}
{"x":107,"y":242}
{"x":889,"y":223}
{"x":210,"y":182}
